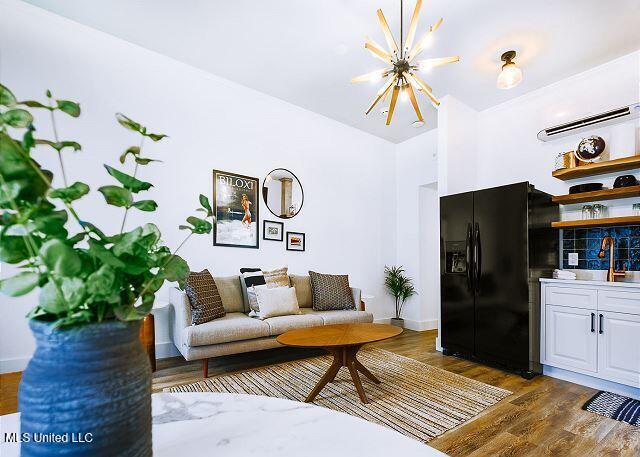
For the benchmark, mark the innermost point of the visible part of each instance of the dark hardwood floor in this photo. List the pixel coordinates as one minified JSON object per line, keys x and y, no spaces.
{"x":543,"y":417}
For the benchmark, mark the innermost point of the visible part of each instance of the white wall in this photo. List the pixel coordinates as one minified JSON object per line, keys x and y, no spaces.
{"x":457,"y":146}
{"x":416,"y":167}
{"x":349,"y":212}
{"x":430,"y":255}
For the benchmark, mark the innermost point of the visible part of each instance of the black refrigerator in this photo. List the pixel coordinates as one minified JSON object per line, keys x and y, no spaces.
{"x":495,"y":245}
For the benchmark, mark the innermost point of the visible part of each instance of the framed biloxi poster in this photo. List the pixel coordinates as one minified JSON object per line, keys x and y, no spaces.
{"x":236,"y":208}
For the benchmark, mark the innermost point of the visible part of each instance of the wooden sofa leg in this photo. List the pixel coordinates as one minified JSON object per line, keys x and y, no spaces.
{"x":205,"y":367}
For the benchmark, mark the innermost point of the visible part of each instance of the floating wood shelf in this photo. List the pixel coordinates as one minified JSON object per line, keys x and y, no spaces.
{"x":606,"y":221}
{"x":604,"y":194}
{"x":598,"y":168}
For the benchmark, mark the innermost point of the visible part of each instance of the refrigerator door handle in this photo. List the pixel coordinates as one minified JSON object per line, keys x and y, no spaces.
{"x":477,"y":258}
{"x":468,"y":258}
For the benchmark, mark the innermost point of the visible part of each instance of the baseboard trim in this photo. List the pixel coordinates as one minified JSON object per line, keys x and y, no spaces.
{"x":166,"y":350}
{"x":590,"y":381}
{"x":163,"y":351}
{"x":12,"y":365}
{"x":418,"y":326}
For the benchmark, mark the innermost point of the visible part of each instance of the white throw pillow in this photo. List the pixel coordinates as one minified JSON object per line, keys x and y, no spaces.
{"x":279,"y":301}
{"x":251,"y":297}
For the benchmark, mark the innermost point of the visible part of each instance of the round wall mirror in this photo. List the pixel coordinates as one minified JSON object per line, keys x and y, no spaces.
{"x":282,"y":193}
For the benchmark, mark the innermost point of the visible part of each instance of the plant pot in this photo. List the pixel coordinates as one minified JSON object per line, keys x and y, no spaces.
{"x":91,"y":385}
{"x":397,"y":321}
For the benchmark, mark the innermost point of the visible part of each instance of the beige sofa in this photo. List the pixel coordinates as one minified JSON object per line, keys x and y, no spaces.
{"x":236,"y":332}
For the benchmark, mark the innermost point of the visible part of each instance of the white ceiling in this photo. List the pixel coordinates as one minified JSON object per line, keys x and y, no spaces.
{"x":306,"y":51}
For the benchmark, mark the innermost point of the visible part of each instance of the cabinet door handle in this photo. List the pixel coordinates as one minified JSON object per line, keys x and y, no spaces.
{"x":593,"y":322}
{"x":601,"y":330}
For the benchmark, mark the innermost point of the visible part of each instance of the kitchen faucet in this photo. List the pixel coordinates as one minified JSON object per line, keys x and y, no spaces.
{"x":611,"y":274}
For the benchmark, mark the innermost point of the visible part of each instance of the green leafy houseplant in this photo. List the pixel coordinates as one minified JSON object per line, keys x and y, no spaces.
{"x":399,"y":286}
{"x":84,"y":275}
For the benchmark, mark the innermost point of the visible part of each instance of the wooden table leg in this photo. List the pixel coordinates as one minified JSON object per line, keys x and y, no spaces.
{"x":344,"y":357}
{"x":362,"y":369}
{"x":148,"y":338}
{"x":329,"y":375}
{"x":350,"y":356}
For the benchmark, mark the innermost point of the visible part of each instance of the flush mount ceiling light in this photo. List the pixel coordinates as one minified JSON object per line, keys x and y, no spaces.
{"x":511,"y":75}
{"x":401,"y":74}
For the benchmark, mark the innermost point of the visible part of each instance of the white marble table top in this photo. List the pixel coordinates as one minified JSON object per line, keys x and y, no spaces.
{"x":205,"y":424}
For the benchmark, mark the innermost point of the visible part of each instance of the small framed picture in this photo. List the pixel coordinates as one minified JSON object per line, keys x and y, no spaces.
{"x":295,"y":241}
{"x":272,"y":230}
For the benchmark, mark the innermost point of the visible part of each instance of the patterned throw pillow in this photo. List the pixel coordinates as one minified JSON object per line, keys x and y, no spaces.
{"x":330,"y":292}
{"x":277,"y":278}
{"x":206,"y":304}
{"x":252,"y":277}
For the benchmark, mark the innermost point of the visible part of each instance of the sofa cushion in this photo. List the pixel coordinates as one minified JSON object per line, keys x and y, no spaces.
{"x":230,"y":292}
{"x":232,"y":327}
{"x":281,"y":324}
{"x":345,"y":316}
{"x":303,"y":290}
{"x":330,"y":292}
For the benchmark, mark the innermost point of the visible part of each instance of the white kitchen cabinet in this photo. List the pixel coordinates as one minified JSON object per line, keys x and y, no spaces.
{"x":571,"y":296}
{"x":592,"y":328}
{"x":619,"y":347}
{"x":571,"y":340}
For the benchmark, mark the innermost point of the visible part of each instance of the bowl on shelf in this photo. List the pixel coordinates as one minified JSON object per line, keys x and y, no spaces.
{"x":625,"y":181}
{"x":588,"y":187}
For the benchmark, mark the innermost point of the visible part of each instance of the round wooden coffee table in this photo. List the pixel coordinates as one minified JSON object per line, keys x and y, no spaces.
{"x":343,"y":341}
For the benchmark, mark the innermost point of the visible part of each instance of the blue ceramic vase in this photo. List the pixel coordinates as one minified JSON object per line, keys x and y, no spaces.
{"x":89,"y":385}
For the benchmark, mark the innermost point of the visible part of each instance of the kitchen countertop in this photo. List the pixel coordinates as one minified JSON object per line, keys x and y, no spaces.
{"x":634,"y":285}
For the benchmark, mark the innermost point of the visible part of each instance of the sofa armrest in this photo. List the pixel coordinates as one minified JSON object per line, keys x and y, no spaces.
{"x":180,"y":315}
{"x":357,"y":295}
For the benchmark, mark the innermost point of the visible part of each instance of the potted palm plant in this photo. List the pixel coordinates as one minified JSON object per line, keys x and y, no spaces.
{"x":401,"y":288}
{"x":89,"y":379}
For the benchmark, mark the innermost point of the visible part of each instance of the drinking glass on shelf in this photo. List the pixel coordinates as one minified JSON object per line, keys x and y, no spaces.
{"x":587,"y":212}
{"x":636,"y":209}
{"x":599,"y":211}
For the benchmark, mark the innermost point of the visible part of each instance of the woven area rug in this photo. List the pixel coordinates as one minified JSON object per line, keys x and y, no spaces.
{"x":615,"y":406}
{"x":415,"y":399}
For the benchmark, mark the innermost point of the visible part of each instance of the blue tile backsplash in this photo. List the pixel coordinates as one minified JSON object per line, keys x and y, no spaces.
{"x":586,"y":242}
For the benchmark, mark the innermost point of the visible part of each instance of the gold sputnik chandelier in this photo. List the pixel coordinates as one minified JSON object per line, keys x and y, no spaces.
{"x":401,"y":76}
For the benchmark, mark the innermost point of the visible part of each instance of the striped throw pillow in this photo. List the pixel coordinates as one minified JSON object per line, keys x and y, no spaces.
{"x":277,"y":278}
{"x":252,"y":277}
